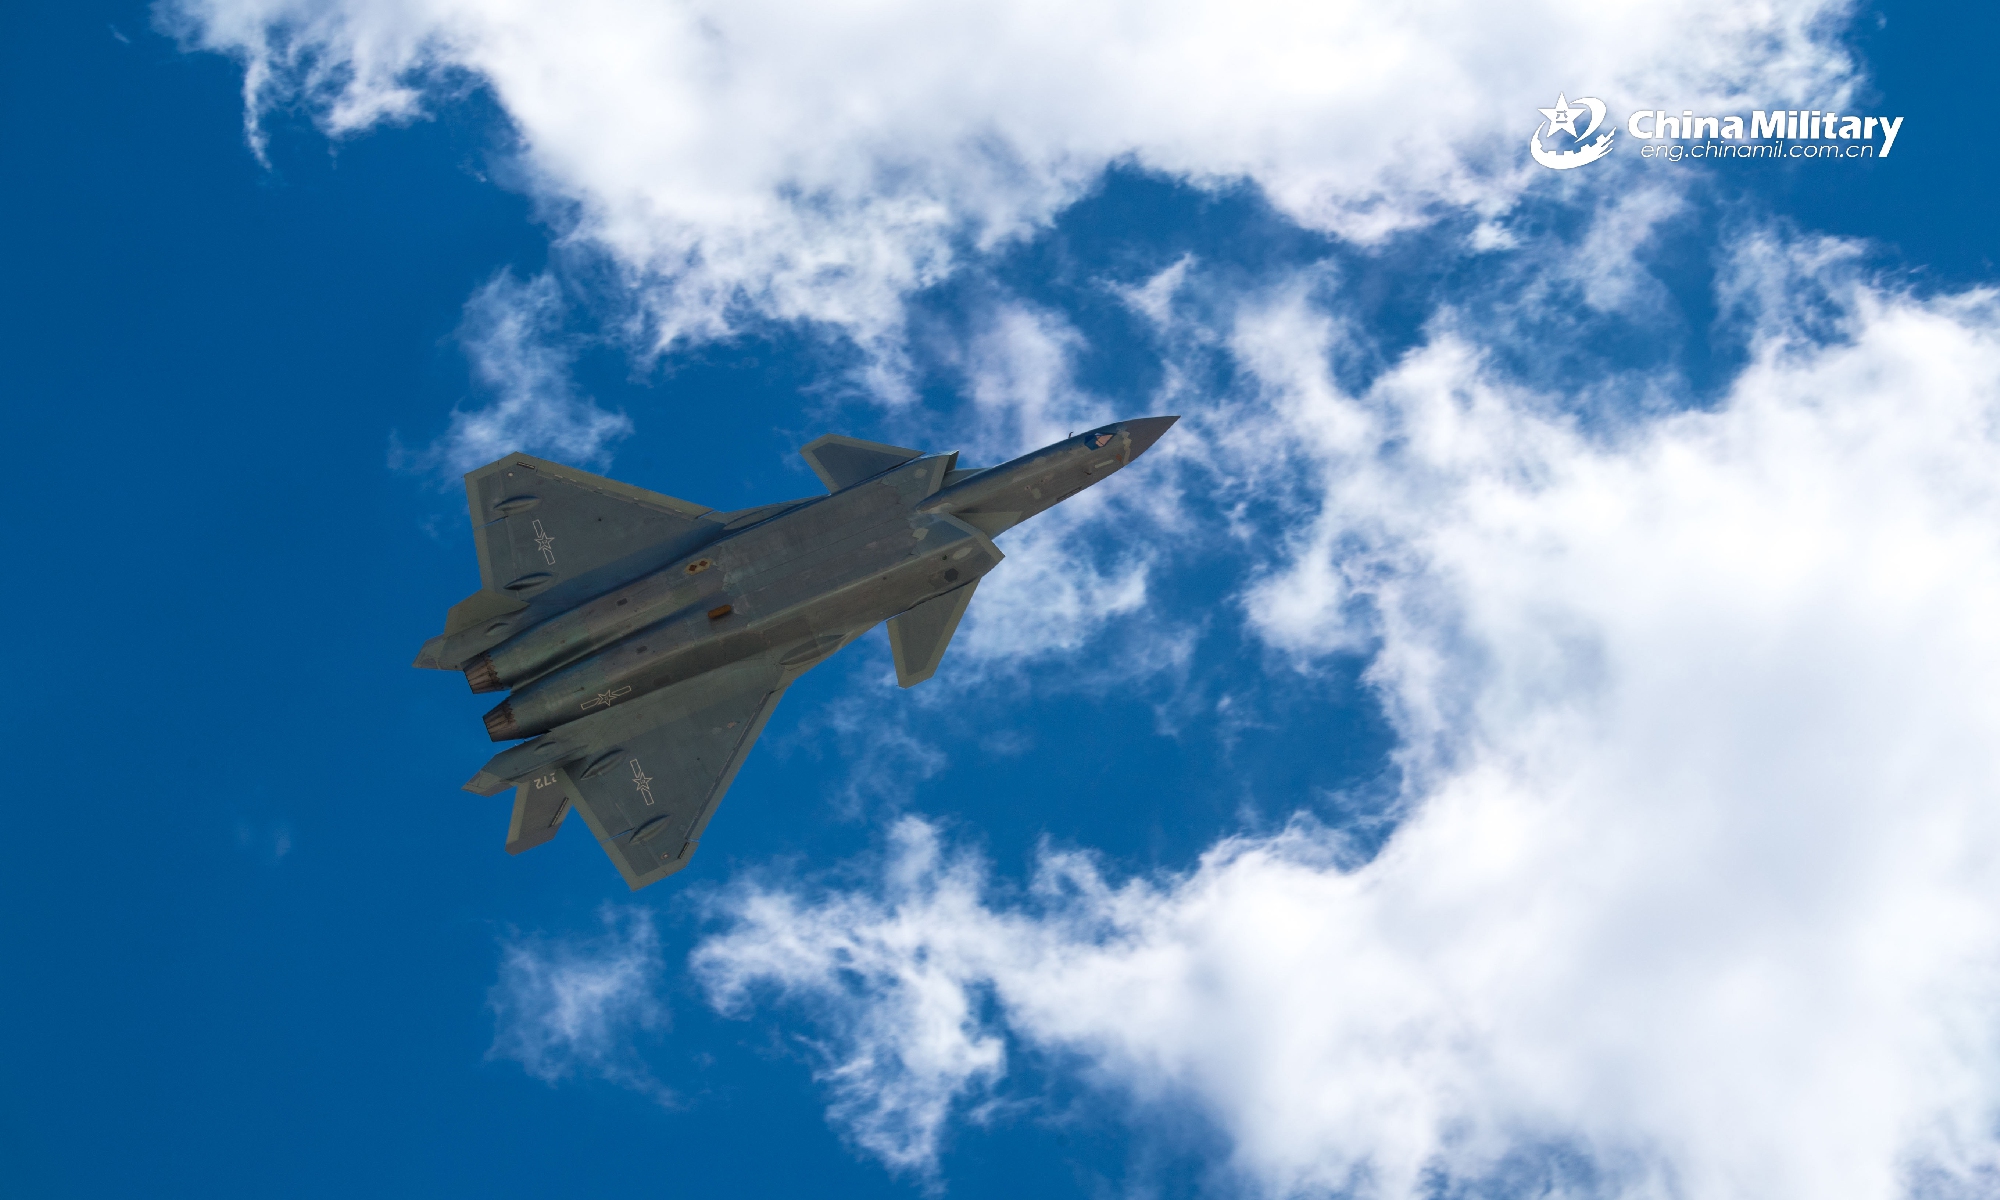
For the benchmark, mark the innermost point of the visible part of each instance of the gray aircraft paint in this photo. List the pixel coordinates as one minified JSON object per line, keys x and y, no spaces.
{"x":645,"y":640}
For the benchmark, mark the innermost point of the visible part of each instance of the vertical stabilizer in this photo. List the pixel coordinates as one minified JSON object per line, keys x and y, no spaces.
{"x":539,"y":807}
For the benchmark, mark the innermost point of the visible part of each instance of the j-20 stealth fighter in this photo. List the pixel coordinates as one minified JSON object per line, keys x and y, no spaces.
{"x":646,"y":640}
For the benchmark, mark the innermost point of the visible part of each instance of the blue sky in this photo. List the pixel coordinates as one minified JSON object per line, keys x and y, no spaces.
{"x":1529,"y":730}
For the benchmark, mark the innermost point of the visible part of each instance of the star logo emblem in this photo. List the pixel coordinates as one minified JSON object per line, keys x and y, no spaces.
{"x":546,"y":544}
{"x":605,"y":698}
{"x":642,"y":781}
{"x":1562,"y":116}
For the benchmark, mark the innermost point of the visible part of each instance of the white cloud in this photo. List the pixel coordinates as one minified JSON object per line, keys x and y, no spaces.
{"x":903,"y":1031}
{"x":1068,"y":575}
{"x":1017,"y":372}
{"x":820,"y":161}
{"x":884,"y":760}
{"x":512,"y":335}
{"x":579,"y":1007}
{"x":1052,"y":596}
{"x":1699,"y":873}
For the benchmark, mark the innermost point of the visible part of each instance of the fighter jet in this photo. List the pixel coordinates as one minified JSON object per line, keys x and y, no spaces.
{"x":644,"y":641}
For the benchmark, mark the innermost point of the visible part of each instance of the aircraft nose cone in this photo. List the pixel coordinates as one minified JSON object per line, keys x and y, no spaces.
{"x":1147,"y":430}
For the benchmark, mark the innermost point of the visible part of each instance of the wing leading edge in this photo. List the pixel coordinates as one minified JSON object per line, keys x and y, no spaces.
{"x":842,"y":461}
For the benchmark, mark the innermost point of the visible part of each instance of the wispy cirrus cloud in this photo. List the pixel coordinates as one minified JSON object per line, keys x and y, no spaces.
{"x":905,"y":1042}
{"x":564,"y":1008}
{"x":512,"y":335}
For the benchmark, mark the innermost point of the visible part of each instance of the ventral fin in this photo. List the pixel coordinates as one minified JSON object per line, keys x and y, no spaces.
{"x":918,"y":638}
